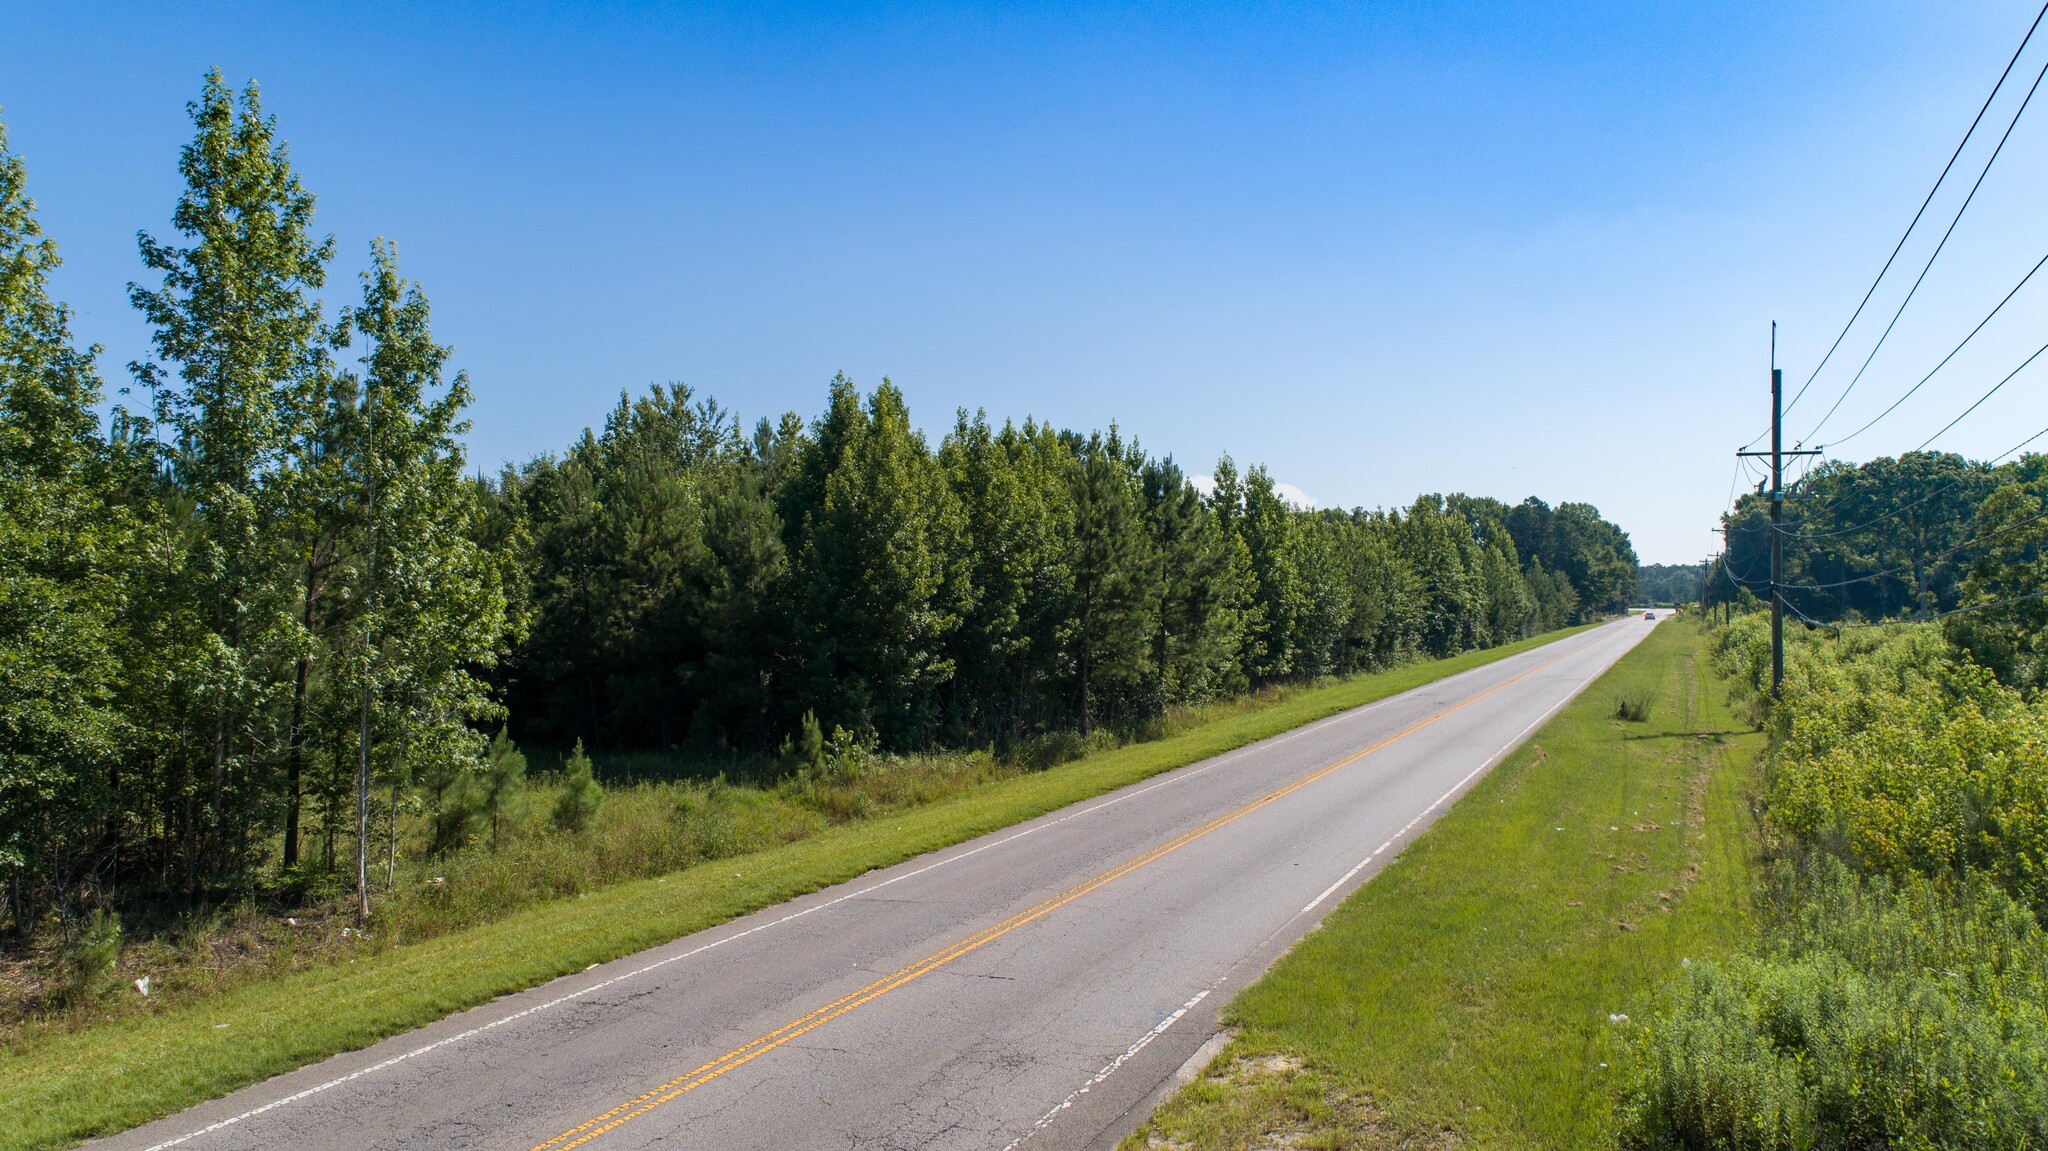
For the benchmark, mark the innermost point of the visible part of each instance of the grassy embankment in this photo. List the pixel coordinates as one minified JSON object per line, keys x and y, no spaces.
{"x":58,"y":1085}
{"x":1471,"y":993}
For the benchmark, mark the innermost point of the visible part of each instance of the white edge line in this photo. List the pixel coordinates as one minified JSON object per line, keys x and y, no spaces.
{"x":1491,"y":760}
{"x":1110,"y":1068}
{"x":1146,"y":1040}
{"x":1175,"y":777}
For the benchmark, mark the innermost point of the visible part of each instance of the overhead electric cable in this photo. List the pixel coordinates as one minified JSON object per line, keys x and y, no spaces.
{"x":1840,"y":440}
{"x":1980,"y":399}
{"x":1916,"y":216}
{"x":1994,"y":461}
{"x":1964,"y":610}
{"x":1968,"y":543}
{"x":1929,"y":265}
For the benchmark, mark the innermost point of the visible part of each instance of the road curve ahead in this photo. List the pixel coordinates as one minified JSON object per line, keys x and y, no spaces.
{"x":1036,"y":987}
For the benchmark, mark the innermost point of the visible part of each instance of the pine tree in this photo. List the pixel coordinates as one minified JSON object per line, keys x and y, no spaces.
{"x":871,"y":525}
{"x":581,"y":795}
{"x":1199,"y":586}
{"x":502,"y":785}
{"x":1112,"y":575}
{"x":1266,"y":527}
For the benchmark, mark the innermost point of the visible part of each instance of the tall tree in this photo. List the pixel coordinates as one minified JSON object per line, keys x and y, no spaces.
{"x":62,"y":582}
{"x":871,"y":524}
{"x":1267,"y":527}
{"x":1201,"y":581}
{"x":433,"y":604}
{"x":1112,"y":589}
{"x":234,"y":315}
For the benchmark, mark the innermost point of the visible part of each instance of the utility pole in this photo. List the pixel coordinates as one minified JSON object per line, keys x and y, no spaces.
{"x":1777,"y":455}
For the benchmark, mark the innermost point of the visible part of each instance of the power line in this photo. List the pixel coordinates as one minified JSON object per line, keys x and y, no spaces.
{"x":1940,"y":615}
{"x":1899,"y":511}
{"x":1896,"y":248}
{"x":1925,"y":268}
{"x":1924,"y":560}
{"x":1987,"y":395}
{"x":1840,"y":440}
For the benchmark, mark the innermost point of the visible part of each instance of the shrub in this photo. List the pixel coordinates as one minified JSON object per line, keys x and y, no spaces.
{"x":503,"y":785}
{"x":1907,"y":761}
{"x":1868,"y":1015}
{"x":581,"y":794}
{"x":89,"y":960}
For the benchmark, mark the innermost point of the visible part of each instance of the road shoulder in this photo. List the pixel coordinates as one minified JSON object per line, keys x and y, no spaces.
{"x":1483,"y":988}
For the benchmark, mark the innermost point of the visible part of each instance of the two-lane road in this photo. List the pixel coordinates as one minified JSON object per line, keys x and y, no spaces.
{"x":1035,"y":986}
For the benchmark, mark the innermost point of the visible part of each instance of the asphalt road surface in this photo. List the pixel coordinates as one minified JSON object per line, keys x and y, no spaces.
{"x":1037,"y":987}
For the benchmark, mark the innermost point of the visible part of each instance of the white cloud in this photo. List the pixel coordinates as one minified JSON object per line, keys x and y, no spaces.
{"x":1293,"y":495}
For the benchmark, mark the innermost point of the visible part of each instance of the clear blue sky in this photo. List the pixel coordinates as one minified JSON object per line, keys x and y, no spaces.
{"x":1384,"y":249}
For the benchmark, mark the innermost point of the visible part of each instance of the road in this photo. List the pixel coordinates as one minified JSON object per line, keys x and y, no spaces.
{"x":1037,"y":987}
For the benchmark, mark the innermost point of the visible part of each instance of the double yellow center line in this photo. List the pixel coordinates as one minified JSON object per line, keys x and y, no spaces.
{"x":640,"y":1105}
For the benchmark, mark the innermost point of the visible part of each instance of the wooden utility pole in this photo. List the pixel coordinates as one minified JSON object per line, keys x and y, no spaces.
{"x":1777,"y":456}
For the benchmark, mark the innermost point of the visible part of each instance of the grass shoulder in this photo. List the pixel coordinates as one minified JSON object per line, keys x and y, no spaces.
{"x":60,"y":1085}
{"x":1484,"y":989}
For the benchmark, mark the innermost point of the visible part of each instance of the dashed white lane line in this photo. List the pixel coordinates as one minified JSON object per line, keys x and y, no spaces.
{"x":1176,"y":777}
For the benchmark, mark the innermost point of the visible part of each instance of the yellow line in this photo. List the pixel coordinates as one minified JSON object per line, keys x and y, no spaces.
{"x":690,"y":1081}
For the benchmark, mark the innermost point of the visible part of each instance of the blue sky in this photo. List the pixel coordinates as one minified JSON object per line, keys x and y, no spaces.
{"x":1384,"y":248}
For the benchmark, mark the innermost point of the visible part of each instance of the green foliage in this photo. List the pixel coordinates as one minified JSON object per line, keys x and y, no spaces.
{"x":503,"y":785}
{"x":1897,"y":992}
{"x":1884,"y":539}
{"x":64,"y":569}
{"x":1902,"y":757}
{"x":581,"y":795}
{"x":91,"y":958}
{"x":1866,"y":1015}
{"x":1015,"y":583}
{"x":1671,"y":584}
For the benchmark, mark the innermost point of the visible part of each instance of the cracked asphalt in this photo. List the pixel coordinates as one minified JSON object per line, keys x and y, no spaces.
{"x":1060,"y":1031}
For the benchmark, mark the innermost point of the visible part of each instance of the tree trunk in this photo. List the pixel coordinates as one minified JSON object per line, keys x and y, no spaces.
{"x":296,"y":753}
{"x":293,"y":756}
{"x":363,"y":808}
{"x":1087,"y":719}
{"x":391,"y":838}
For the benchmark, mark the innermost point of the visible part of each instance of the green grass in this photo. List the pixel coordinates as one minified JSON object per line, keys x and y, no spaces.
{"x":1463,"y":997}
{"x":58,"y":1087}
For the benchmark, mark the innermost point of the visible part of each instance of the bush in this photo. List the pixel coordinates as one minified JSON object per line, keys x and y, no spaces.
{"x":1869,"y":1015}
{"x":1634,"y":708}
{"x":503,"y":785}
{"x":1905,"y":760}
{"x":453,"y":816}
{"x":581,"y":794}
{"x":89,"y":960}
{"x":806,"y":753}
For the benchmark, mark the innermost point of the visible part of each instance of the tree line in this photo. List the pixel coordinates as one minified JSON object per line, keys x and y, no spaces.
{"x":1670,"y":583}
{"x":685,"y":582}
{"x":260,"y":610}
{"x":1924,"y":535}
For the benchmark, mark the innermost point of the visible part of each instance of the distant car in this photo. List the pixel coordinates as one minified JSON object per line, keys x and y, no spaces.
{"x":1649,"y":615}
